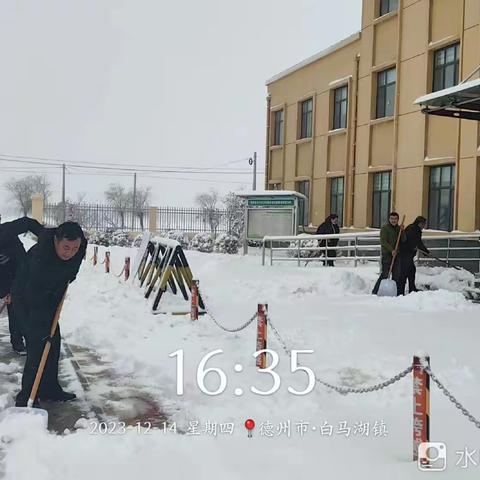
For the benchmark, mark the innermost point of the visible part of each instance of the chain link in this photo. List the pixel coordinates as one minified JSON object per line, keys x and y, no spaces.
{"x":343,"y":390}
{"x":230,"y":330}
{"x":446,"y":392}
{"x":277,"y":335}
{"x":373,"y":388}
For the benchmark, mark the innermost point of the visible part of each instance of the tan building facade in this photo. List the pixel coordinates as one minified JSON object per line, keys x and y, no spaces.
{"x":343,"y":129}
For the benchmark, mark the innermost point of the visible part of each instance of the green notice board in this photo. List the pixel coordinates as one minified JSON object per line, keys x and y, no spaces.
{"x":264,"y":221}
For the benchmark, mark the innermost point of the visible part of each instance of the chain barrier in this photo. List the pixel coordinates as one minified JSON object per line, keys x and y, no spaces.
{"x":277,"y":335}
{"x":447,"y":393}
{"x":344,"y":390}
{"x":373,"y":388}
{"x":230,"y":330}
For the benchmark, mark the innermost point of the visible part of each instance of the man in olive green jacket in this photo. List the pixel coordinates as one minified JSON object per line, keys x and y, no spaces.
{"x":388,"y":241}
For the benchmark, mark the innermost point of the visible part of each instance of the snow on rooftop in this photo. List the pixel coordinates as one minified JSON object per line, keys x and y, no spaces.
{"x":314,"y":58}
{"x":270,"y":193}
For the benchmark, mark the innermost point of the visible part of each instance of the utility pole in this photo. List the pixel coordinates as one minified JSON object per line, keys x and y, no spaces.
{"x":253,"y":161}
{"x":64,"y":207}
{"x":134,"y":199}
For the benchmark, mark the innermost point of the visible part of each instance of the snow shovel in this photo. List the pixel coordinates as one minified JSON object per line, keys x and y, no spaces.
{"x":40,"y":412}
{"x":388,"y":286}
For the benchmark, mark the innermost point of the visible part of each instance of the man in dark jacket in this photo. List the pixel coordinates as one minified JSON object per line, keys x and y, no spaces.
{"x":411,"y":242}
{"x":388,"y":241}
{"x":12,"y":254}
{"x":329,"y":227}
{"x":37,"y":291}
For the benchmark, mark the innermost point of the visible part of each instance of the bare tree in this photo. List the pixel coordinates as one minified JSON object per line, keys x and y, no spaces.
{"x":22,"y":189}
{"x":120,"y":199}
{"x":142,"y":201}
{"x":208,"y":202}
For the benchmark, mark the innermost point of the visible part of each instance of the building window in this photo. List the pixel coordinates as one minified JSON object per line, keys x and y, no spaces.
{"x":440,"y":198}
{"x":386,"y":85}
{"x":445,"y":67}
{"x":387,"y":6}
{"x":278,"y":127}
{"x":381,"y":198}
{"x":340,"y":104}
{"x":304,"y":188}
{"x":275,"y":186}
{"x":336,"y":198}
{"x":306,"y":108}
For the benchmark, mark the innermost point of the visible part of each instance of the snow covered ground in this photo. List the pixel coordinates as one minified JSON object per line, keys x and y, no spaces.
{"x":357,"y":339}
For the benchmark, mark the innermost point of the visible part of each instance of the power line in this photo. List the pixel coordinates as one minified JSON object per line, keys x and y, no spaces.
{"x":133,"y":169}
{"x":103,"y":165}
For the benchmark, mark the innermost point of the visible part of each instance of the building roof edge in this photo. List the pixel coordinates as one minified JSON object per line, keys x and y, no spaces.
{"x":308,"y":61}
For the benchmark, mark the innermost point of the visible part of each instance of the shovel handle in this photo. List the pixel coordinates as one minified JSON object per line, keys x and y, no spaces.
{"x":396,"y":247}
{"x":46,"y":351}
{"x":448,"y":264}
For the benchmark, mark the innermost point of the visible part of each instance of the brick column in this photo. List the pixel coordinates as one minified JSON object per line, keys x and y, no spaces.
{"x":37,"y":207}
{"x":152,"y":219}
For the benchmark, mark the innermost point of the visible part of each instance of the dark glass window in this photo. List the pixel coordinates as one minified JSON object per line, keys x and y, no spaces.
{"x":303,"y":187}
{"x":387,"y":6}
{"x":278,"y":127}
{"x":306,"y":118}
{"x":445,"y":67}
{"x":441,"y":197}
{"x":386,"y":85}
{"x":336,"y":198}
{"x":381,"y":198}
{"x":340,"y":104}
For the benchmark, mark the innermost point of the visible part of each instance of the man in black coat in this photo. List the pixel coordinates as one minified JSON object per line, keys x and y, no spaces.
{"x":37,"y":291}
{"x":411,"y":241}
{"x":329,"y":227}
{"x":12,"y":253}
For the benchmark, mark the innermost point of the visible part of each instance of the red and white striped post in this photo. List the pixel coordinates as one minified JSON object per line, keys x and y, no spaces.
{"x":127,"y":268}
{"x":194,"y":309}
{"x":262,"y":334}
{"x":421,"y":407}
{"x":95,"y":255}
{"x":107,"y":262}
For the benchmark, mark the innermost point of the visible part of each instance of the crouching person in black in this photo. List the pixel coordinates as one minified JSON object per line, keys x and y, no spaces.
{"x":37,"y":290}
{"x":411,"y":243}
{"x":12,"y":253}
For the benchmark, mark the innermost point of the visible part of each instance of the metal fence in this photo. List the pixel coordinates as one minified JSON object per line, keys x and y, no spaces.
{"x":193,"y":220}
{"x":100,"y":217}
{"x":457,"y":249}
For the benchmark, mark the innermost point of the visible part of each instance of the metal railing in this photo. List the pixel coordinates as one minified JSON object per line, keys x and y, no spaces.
{"x":352,"y":248}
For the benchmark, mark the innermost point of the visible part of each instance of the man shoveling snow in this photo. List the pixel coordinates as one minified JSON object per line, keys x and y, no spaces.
{"x":37,"y":291}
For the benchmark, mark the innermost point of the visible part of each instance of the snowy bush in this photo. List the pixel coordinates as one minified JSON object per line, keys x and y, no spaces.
{"x":235,"y":206}
{"x":180,"y":237}
{"x":108,"y":238}
{"x":203,"y":242}
{"x":137,"y":241}
{"x":225,"y":243}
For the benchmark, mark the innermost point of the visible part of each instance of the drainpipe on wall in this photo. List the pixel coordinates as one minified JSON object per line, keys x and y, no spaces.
{"x":459,"y":129}
{"x":267,"y":143}
{"x":354,"y":146}
{"x":397,"y":106}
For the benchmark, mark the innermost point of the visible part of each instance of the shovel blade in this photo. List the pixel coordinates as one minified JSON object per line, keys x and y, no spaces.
{"x":39,"y":413}
{"x":387,"y":288}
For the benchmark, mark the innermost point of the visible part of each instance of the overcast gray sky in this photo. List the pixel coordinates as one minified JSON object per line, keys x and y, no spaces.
{"x":150,"y":82}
